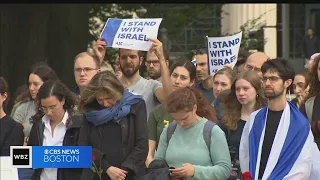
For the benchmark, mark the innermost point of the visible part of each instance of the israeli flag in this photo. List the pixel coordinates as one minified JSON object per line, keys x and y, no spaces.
{"x":294,"y":154}
{"x":194,"y":61}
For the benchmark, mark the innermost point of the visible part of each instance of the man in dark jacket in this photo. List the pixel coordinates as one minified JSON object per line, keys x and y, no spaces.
{"x":310,"y":45}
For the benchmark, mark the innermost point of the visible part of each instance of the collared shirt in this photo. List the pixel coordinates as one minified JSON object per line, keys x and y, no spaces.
{"x":55,"y":139}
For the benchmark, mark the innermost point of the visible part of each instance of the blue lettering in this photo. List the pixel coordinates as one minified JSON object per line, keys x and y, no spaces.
{"x":228,"y":52}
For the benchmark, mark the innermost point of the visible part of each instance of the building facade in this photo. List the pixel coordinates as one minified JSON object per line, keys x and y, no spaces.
{"x":285,"y":26}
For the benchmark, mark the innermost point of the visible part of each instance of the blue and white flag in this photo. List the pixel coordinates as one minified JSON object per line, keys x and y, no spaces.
{"x":130,"y":33}
{"x":294,"y":154}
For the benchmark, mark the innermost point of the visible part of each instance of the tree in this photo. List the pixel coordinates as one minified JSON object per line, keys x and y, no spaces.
{"x":32,"y":33}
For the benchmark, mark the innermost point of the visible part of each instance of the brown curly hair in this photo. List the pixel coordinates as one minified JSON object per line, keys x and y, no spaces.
{"x":232,"y":108}
{"x":312,"y":78}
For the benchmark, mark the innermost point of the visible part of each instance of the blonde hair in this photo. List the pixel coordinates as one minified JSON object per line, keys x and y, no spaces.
{"x":102,"y":82}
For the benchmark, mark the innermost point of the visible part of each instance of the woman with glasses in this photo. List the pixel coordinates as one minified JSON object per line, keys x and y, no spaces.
{"x":24,"y":110}
{"x":115,"y":126}
{"x":11,"y":132}
{"x":55,"y":125}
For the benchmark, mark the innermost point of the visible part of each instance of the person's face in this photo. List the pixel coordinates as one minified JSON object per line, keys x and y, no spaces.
{"x":130,"y":62}
{"x":310,"y":32}
{"x":180,"y":78}
{"x":105,"y":100}
{"x":202,"y":67}
{"x":255,"y":62}
{"x":117,"y":64}
{"x":245,"y":92}
{"x":221,"y":82}
{"x":84,"y":70}
{"x":52,"y":107}
{"x":185,"y":119}
{"x":274,"y":86}
{"x":35,"y":83}
{"x":299,"y":83}
{"x":153,"y":66}
{"x":3,"y":98}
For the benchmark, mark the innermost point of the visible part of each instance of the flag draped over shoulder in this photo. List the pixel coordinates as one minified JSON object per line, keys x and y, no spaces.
{"x":294,"y":154}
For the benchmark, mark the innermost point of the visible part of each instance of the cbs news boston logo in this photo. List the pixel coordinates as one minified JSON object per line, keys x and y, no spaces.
{"x":51,"y":156}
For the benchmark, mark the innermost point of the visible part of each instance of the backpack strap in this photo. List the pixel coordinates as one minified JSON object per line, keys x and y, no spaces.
{"x":309,"y":107}
{"x":170,"y":130}
{"x":207,"y":129}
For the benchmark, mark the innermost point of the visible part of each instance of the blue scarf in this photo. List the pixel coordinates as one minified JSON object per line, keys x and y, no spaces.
{"x":115,"y":113}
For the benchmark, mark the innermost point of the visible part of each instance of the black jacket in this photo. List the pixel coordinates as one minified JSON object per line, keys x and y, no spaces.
{"x":158,"y":170}
{"x":11,"y":134}
{"x":134,"y":137}
{"x":70,"y":139}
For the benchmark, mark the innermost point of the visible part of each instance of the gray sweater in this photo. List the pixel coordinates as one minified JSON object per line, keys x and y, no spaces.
{"x":23,"y":114}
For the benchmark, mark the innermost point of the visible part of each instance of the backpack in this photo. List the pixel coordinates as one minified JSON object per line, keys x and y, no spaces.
{"x":207,"y":129}
{"x":309,"y":107}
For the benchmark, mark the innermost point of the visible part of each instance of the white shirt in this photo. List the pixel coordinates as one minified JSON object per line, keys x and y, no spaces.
{"x":55,"y":140}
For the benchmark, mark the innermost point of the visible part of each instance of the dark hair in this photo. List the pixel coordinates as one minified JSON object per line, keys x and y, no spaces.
{"x":140,"y":53}
{"x":200,"y":51}
{"x":312,"y":78}
{"x":60,"y":91}
{"x":44,"y":72}
{"x":186,"y":64}
{"x":92,"y":55}
{"x":242,"y":57}
{"x":185,"y":98}
{"x":4,"y":89}
{"x":232,"y":107}
{"x":165,"y":53}
{"x":280,"y":66}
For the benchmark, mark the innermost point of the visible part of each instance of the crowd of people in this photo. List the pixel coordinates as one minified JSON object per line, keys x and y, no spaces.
{"x":179,"y":123}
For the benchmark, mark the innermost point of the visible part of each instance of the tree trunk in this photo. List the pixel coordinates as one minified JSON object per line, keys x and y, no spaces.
{"x":32,"y":33}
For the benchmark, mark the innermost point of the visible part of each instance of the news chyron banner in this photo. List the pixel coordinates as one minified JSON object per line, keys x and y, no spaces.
{"x":51,"y":156}
{"x":130,"y":33}
{"x":223,"y":51}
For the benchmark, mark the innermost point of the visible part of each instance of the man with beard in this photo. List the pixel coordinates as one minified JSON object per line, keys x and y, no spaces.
{"x":151,"y":90}
{"x":277,"y":142}
{"x":204,"y":79}
{"x":153,"y":65}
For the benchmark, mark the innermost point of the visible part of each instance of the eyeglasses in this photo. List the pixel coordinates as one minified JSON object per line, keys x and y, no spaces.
{"x":47,"y":109}
{"x":155,"y":63}
{"x":272,"y":79}
{"x":85,"y":70}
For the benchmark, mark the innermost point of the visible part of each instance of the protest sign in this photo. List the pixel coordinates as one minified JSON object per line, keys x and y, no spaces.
{"x":222,"y":51}
{"x":130,"y":33}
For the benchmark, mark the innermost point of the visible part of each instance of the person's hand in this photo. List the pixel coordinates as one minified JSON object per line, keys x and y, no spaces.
{"x":300,"y":100}
{"x":116,"y":173}
{"x":26,"y":140}
{"x":99,"y":49}
{"x":157,"y":48}
{"x":186,"y":170}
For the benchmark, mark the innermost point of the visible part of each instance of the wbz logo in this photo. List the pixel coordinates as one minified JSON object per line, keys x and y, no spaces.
{"x":21,"y":156}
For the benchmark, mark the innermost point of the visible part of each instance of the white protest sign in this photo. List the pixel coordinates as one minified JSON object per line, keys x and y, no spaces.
{"x":6,"y":169}
{"x":130,"y":33}
{"x":222,"y":51}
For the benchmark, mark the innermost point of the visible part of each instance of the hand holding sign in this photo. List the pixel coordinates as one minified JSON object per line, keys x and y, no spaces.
{"x":99,"y":48}
{"x":223,"y":52}
{"x":157,"y":48}
{"x":130,"y":33}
